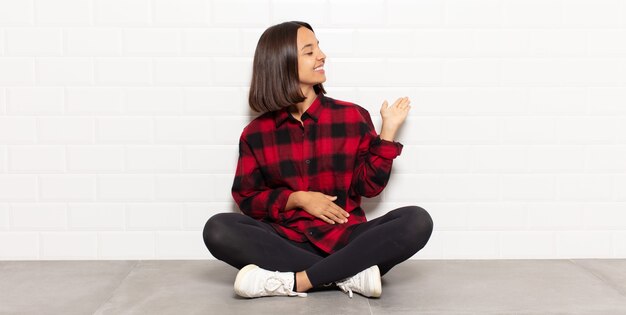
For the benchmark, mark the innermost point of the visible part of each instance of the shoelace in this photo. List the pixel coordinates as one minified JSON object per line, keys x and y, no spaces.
{"x":346,"y":285}
{"x":278,"y":282}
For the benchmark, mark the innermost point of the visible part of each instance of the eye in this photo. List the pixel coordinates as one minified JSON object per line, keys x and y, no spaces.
{"x":309,"y":53}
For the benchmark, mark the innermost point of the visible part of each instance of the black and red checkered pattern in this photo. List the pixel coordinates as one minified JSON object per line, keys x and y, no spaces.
{"x":335,"y":151}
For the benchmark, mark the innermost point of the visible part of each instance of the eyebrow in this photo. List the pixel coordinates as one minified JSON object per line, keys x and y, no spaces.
{"x":307,"y":45}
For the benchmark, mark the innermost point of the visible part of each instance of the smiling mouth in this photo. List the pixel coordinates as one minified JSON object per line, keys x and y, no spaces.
{"x":320,"y":68}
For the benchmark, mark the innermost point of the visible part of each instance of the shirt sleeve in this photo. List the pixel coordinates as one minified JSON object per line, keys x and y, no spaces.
{"x":374,"y":160}
{"x":250,"y":191}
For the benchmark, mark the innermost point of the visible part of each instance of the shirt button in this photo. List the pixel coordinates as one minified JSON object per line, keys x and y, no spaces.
{"x":310,"y":233}
{"x":307,"y":161}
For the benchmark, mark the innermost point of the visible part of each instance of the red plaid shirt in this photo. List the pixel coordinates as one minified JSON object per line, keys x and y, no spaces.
{"x":336,"y":152}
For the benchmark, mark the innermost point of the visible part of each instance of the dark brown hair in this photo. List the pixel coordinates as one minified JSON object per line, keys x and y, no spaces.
{"x":275,"y":82}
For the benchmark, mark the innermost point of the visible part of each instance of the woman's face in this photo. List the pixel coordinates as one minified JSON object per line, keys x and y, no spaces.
{"x":310,"y":58}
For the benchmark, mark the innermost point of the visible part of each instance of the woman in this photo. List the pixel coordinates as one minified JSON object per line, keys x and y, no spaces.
{"x":303,"y":166}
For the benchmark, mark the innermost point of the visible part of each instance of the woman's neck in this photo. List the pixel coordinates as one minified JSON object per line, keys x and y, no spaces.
{"x":298,"y":109}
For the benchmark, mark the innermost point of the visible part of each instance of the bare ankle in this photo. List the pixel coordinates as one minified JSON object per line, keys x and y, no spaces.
{"x":303,"y":283}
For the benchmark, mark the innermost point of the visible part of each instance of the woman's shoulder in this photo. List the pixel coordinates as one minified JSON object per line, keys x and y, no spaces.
{"x":347,"y":105}
{"x":263,"y":122}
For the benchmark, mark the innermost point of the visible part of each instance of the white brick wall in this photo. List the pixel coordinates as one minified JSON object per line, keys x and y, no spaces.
{"x":119,"y":120}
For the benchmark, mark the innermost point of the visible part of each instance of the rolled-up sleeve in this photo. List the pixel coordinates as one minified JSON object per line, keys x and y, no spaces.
{"x":374,"y":160}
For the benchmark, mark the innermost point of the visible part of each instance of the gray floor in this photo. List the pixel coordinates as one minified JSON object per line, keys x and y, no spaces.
{"x":413,"y":287}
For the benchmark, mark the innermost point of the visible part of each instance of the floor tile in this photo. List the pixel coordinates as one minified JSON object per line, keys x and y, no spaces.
{"x":58,"y":287}
{"x":495,"y":286}
{"x":206,"y":287}
{"x":612,"y":271}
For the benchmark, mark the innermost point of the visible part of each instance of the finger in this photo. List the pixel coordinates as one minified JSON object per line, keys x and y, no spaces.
{"x":405,"y":102}
{"x":384,"y":106}
{"x":333,"y":215}
{"x":327,"y":220}
{"x":330,"y":197}
{"x":397,"y":102}
{"x":341,"y":211}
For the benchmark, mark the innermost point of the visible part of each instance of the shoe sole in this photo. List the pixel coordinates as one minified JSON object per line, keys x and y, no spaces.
{"x":240,"y":276}
{"x":375,"y":283}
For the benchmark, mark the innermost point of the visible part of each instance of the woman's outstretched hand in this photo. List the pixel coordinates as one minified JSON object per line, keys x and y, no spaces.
{"x":321,"y":206}
{"x":393,"y":117}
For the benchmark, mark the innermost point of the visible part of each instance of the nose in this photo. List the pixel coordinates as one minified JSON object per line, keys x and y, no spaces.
{"x":322,"y":55}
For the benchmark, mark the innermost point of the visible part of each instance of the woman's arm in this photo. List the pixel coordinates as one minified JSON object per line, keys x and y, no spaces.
{"x":376,"y":153}
{"x":250,"y":191}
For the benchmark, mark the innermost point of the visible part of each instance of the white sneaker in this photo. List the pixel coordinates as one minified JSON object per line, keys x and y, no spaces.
{"x":253,"y":281}
{"x":366,"y":282}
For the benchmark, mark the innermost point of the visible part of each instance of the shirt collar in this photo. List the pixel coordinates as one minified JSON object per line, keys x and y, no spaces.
{"x":313,"y":111}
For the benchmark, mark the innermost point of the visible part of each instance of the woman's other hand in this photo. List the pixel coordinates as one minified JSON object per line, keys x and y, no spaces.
{"x":321,"y":206}
{"x":393,"y":117}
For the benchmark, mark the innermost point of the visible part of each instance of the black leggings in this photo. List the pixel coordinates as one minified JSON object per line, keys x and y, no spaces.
{"x":385,"y":241}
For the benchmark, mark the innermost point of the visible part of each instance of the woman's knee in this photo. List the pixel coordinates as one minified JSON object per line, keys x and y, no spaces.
{"x":216,"y":230}
{"x":417,"y":227}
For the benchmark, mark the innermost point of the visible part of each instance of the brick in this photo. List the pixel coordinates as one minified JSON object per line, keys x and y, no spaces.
{"x":528,"y":187}
{"x":470,"y":187}
{"x":152,"y":42}
{"x":527,"y":245}
{"x":231,"y":71}
{"x":19,"y":245}
{"x":67,"y":187}
{"x":93,"y":42}
{"x":592,"y":14}
{"x":188,"y":187}
{"x":63,"y":12}
{"x":100,"y":216}
{"x":584,"y":187}
{"x":65,"y":71}
{"x":28,"y":159}
{"x":126,"y":245}
{"x":182,"y":72}
{"x":123,"y":71}
{"x":240,"y":12}
{"x":126,"y":187}
{"x":223,"y":158}
{"x":124,"y":130}
{"x":415,"y":13}
{"x":555,"y":215}
{"x":197,"y":130}
{"x":17,"y":71}
{"x":66,"y":130}
{"x":34,"y":42}
{"x":35,"y":100}
{"x":154,"y":100}
{"x":181,"y":245}
{"x":18,"y":187}
{"x":584,"y":244}
{"x":94,"y":100}
{"x":69,"y":245}
{"x":16,"y":13}
{"x":475,"y":244}
{"x":148,"y":216}
{"x":17,"y":130}
{"x":123,"y":12}
{"x":39,"y":216}
{"x":182,"y":12}
{"x":371,"y":12}
{"x":154,"y":159}
{"x":484,"y":13}
{"x":217,"y":101}
{"x":494,"y":159}
{"x":555,"y":159}
{"x":525,"y":13}
{"x":215,"y":42}
{"x":90,"y":159}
